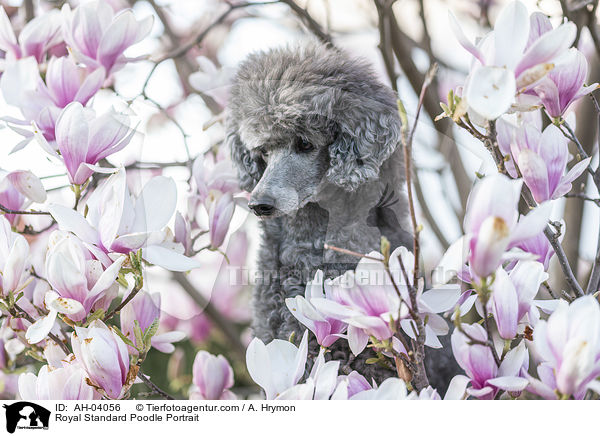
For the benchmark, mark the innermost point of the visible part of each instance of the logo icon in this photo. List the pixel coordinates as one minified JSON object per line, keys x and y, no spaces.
{"x":26,"y":415}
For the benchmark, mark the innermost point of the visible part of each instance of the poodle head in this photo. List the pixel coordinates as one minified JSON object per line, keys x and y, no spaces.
{"x":301,"y":118}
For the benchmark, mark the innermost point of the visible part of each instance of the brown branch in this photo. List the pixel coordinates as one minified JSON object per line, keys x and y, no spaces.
{"x":309,"y":21}
{"x":428,"y":215}
{"x":213,"y":313}
{"x":29,"y":10}
{"x":144,"y":378}
{"x":184,"y":48}
{"x":592,"y":25}
{"x":22,"y":212}
{"x":137,"y":288}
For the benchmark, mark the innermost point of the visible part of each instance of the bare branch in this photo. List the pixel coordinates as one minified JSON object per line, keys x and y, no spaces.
{"x":213,"y":313}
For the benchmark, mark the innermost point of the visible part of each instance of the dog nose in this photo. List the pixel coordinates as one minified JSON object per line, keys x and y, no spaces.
{"x":263,"y":206}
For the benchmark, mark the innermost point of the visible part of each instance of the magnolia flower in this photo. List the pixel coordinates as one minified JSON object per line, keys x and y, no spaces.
{"x":219,"y":217}
{"x":360,"y":299}
{"x":66,"y":82}
{"x":512,"y":296}
{"x":183,"y":233}
{"x":55,"y":304}
{"x":14,"y":259}
{"x":216,"y":182}
{"x":564,"y":84}
{"x":118,"y":222}
{"x":66,"y":382}
{"x":78,"y":280}
{"x":18,"y":186}
{"x":103,"y":355}
{"x":98,"y":37}
{"x":326,"y":329}
{"x":540,"y":247}
{"x":568,"y":345}
{"x":211,"y":81}
{"x":41,"y":102}
{"x":145,"y":308}
{"x":84,"y":140}
{"x":478,"y":362}
{"x":391,"y":389}
{"x":277,"y":366}
{"x":40,"y":34}
{"x":322,"y":383}
{"x":510,"y":59}
{"x":214,"y":176}
{"x":212,"y":378}
{"x":542,"y":159}
{"x":492,"y":224}
{"x":368,"y":301}
{"x":457,"y":390}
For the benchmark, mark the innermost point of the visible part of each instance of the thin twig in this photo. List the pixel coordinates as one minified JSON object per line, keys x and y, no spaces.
{"x":310,"y":22}
{"x":144,"y":378}
{"x":213,"y":313}
{"x":22,"y":212}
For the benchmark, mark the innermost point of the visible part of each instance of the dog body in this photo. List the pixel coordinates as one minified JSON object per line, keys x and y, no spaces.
{"x":316,"y":140}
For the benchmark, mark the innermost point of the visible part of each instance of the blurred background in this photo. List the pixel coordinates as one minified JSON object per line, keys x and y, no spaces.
{"x":178,"y":95}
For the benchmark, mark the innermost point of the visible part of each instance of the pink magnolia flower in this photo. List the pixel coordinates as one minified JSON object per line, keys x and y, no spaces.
{"x":478,"y":363}
{"x":66,"y":82}
{"x":75,"y":275}
{"x":542,"y":159}
{"x":277,"y":366}
{"x":35,"y":39}
{"x":183,"y":233}
{"x":360,"y":299}
{"x":211,"y":80}
{"x":568,"y":344}
{"x":355,"y":383}
{"x":80,"y":284}
{"x":145,"y":308}
{"x":511,"y":58}
{"x":14,"y":259}
{"x":513,"y":294}
{"x":98,"y":37}
{"x":103,"y":355}
{"x":212,"y":378}
{"x":565,"y":83}
{"x":214,"y":176}
{"x":391,"y":389}
{"x":219,"y":217}
{"x":83,"y":140}
{"x":492,"y":224}
{"x":322,"y":383}
{"x":326,"y":329}
{"x":65,"y":382}
{"x":540,"y":247}
{"x":367,"y":301}
{"x":41,"y":102}
{"x":117,"y":222}
{"x":18,"y":186}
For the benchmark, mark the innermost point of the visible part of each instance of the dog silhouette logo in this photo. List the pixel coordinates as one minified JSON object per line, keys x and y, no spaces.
{"x":26,"y":415}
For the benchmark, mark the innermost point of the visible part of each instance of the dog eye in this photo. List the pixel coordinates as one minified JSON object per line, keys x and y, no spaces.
{"x":304,"y":146}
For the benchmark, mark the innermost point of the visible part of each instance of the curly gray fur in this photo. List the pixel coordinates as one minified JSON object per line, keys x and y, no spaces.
{"x":348,"y":190}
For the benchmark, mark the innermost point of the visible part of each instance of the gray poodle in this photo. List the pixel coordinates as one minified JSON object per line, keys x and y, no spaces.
{"x":315,"y":137}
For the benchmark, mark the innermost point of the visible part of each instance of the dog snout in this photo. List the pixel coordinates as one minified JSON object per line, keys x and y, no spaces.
{"x":263,"y":206}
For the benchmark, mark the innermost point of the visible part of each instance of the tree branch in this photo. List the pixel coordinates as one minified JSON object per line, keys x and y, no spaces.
{"x":213,"y":313}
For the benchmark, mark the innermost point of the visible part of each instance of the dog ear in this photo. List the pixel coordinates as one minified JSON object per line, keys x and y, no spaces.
{"x":249,"y":169}
{"x":368,"y":133}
